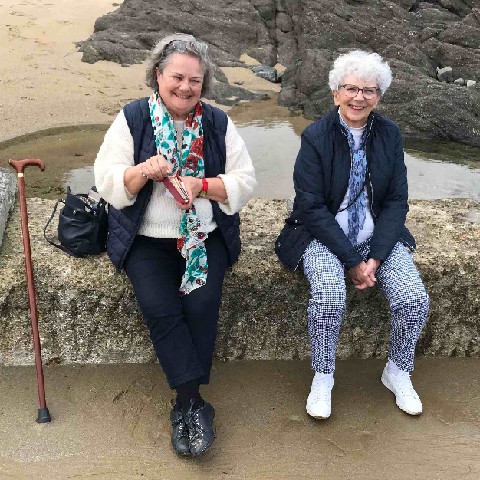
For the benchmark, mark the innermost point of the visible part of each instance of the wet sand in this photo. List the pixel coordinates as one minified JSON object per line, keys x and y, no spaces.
{"x":111,"y":422}
{"x":69,"y":152}
{"x":62,"y":150}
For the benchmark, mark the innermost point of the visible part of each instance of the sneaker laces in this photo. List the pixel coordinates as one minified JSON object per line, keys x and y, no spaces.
{"x":193,"y":424}
{"x":404,"y":384}
{"x":321,"y":390}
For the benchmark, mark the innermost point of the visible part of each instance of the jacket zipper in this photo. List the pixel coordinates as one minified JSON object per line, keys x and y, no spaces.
{"x":298,"y":263}
{"x":368,"y":173}
{"x":300,"y":259}
{"x":371,"y":194}
{"x":412,"y":249}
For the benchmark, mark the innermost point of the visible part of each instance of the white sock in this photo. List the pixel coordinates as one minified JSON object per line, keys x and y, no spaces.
{"x":392,"y":367}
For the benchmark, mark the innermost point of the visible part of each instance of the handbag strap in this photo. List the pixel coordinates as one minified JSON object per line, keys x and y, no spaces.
{"x":60,"y":247}
{"x":355,"y":199}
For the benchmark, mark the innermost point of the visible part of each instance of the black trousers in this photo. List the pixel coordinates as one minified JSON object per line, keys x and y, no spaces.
{"x":183,"y":329}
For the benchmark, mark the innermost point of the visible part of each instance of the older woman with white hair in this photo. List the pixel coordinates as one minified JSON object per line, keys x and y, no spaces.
{"x":348,"y":220}
{"x":175,"y":244}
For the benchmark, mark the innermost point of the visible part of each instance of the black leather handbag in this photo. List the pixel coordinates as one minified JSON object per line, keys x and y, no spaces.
{"x":82,"y":224}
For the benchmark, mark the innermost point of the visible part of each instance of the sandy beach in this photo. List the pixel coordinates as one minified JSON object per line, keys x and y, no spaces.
{"x":110,"y":422}
{"x":44,"y":83}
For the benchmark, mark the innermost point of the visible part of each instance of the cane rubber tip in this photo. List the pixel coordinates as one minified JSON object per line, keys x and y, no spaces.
{"x":43,"y":415}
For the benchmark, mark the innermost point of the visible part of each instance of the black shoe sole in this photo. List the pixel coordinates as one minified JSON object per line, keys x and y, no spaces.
{"x":185,"y":454}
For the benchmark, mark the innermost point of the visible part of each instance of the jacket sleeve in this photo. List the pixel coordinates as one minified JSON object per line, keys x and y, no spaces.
{"x":310,"y":201}
{"x":391,"y":219}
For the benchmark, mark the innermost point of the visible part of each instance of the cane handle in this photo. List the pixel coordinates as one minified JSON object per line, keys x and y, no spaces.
{"x":20,"y":165}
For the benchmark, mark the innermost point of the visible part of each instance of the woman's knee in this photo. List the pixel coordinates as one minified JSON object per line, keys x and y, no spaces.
{"x":327,"y":301}
{"x":328,"y":288}
{"x":160,"y":326}
{"x":416,"y":300}
{"x":203,"y":307}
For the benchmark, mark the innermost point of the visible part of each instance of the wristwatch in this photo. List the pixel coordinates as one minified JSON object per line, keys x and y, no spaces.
{"x":204,"y":190}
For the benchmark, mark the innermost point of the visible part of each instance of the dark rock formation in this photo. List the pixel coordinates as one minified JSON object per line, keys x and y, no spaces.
{"x":88,"y":314}
{"x":306,"y":35}
{"x":227,"y":94}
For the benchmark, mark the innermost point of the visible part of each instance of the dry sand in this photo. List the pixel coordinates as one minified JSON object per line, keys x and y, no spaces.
{"x":111,"y":422}
{"x":44,"y":83}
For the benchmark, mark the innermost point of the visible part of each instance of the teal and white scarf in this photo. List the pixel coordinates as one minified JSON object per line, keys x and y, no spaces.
{"x":187,"y":160}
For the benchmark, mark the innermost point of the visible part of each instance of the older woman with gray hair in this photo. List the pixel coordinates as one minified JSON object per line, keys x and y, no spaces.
{"x":348,"y":220}
{"x":176,"y":248}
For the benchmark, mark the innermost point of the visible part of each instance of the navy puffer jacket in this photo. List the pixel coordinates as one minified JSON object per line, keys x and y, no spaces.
{"x":123,"y":224}
{"x":321,"y":174}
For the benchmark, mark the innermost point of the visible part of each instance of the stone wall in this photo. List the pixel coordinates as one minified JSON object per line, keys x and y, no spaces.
{"x":8,"y":189}
{"x":87,"y":313}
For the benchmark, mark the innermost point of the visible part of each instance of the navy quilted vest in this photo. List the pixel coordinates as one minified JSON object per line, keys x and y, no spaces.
{"x":123,"y":224}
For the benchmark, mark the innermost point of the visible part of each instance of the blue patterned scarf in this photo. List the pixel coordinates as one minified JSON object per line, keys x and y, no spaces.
{"x":186,"y":159}
{"x":357,"y":212}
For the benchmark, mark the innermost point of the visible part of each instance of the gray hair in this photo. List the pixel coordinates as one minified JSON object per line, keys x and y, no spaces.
{"x":364,"y":65}
{"x":179,"y":43}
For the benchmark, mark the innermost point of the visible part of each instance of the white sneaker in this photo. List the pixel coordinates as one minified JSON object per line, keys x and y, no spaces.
{"x":319,"y":402}
{"x":406,"y":397}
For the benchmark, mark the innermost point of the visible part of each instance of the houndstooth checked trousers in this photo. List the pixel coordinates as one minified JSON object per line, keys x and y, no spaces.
{"x":398,"y":279}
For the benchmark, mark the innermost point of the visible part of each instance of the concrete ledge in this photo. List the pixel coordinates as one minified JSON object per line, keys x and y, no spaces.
{"x":8,"y":189}
{"x":88,"y":314}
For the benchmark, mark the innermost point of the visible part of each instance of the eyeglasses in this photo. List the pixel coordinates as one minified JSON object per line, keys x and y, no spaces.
{"x":369,"y":93}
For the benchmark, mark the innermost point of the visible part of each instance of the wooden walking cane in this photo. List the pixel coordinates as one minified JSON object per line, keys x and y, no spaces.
{"x":19,"y":166}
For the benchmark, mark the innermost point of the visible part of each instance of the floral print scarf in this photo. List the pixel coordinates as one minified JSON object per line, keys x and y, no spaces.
{"x":186,"y":160}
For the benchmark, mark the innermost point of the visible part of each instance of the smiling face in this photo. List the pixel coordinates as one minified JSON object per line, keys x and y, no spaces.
{"x":356,"y":110}
{"x":180,"y":84}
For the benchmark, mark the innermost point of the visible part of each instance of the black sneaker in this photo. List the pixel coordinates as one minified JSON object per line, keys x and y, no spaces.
{"x":199,"y":419}
{"x":180,"y":438}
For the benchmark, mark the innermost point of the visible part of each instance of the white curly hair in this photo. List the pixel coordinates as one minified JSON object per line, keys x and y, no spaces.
{"x":364,"y":65}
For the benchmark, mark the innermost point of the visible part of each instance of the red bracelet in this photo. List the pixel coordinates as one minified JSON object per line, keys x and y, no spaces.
{"x":204,"y":190}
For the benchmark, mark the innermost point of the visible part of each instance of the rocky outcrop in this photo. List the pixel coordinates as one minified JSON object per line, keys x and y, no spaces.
{"x":305,"y":36}
{"x":415,"y":43}
{"x":87,"y":311}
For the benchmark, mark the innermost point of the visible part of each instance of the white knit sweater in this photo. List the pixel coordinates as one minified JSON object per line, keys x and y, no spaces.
{"x":162,"y":216}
